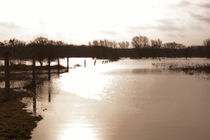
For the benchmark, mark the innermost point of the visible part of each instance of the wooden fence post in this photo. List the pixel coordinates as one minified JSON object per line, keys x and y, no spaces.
{"x":58,"y":66}
{"x":94,"y":62}
{"x":49,"y":69}
{"x":49,"y":92}
{"x":34,"y":72}
{"x":7,"y":78}
{"x":67,"y":63}
{"x":84,"y":63}
{"x":34,"y":100}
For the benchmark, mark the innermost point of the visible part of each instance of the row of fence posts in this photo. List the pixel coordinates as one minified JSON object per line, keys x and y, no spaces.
{"x":103,"y":62}
{"x":7,"y":73}
{"x":93,"y":63}
{"x":7,"y":77}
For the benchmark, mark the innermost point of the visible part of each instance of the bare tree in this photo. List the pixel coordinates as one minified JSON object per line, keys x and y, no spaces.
{"x":1,"y":44}
{"x":206,"y":42}
{"x":102,"y":43}
{"x":114,"y":44}
{"x":140,"y":41}
{"x":13,"y":43}
{"x":123,"y":44}
{"x":173,"y":45}
{"x":89,"y":43}
{"x":156,"y":43}
{"x":38,"y":43}
{"x":106,"y":42}
{"x":95,"y":43}
{"x":60,"y":43}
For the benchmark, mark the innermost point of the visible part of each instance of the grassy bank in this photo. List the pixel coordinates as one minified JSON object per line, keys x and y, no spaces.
{"x":23,"y":67}
{"x":22,"y":71}
{"x":15,"y":122}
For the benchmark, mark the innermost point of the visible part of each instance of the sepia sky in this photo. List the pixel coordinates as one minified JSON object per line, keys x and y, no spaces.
{"x":79,"y":21}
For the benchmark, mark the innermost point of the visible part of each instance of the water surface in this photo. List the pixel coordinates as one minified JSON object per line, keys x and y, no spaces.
{"x":125,"y":100}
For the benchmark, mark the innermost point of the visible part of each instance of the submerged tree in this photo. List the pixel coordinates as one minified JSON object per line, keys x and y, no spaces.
{"x":140,"y":41}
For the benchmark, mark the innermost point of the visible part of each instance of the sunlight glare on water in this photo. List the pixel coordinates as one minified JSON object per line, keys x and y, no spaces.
{"x":77,"y":131}
{"x":87,"y":83}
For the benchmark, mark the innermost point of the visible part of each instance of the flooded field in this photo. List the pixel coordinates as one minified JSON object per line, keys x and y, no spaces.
{"x":128,"y":99}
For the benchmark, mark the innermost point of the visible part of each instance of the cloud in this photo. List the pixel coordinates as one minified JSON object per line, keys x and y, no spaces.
{"x":201,"y":18}
{"x":165,"y":21}
{"x":162,"y":25}
{"x":196,"y":27}
{"x":205,"y":5}
{"x":132,"y":29}
{"x":109,"y":32}
{"x":168,"y":27}
{"x":9,"y":25}
{"x":184,"y":4}
{"x":160,"y":28}
{"x":175,"y":35}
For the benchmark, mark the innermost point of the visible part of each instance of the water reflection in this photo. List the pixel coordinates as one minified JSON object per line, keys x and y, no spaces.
{"x":49,"y":91}
{"x":34,"y":100}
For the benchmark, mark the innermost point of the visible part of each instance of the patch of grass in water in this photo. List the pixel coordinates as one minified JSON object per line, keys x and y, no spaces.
{"x":193,"y":69}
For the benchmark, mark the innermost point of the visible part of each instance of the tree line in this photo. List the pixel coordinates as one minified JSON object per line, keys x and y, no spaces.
{"x":137,"y":42}
{"x":141,"y":42}
{"x":140,"y":46}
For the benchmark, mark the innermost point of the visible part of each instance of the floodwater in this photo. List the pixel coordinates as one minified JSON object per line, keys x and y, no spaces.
{"x":125,"y":100}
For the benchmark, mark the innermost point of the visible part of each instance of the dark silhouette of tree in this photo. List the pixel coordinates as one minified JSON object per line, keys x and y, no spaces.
{"x":156,"y":43}
{"x":173,"y":45}
{"x":101,"y":43}
{"x":16,"y":43}
{"x":206,"y":42}
{"x":140,"y":42}
{"x":95,"y":43}
{"x":60,"y":43}
{"x":1,"y":44}
{"x":104,"y":43}
{"x":123,"y":44}
{"x":89,"y":43}
{"x":39,"y":43}
{"x":13,"y":43}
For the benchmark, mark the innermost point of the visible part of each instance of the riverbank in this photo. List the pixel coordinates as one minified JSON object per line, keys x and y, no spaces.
{"x":15,"y":122}
{"x":22,"y":71}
